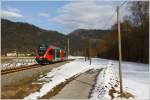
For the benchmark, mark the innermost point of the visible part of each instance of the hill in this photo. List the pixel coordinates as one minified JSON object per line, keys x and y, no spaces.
{"x":26,"y":37}
{"x":92,"y":33}
{"x":80,"y":39}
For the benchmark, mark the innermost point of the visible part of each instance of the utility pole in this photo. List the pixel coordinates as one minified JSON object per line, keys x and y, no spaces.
{"x":119,"y":48}
{"x":90,"y":50}
{"x":85,"y":53}
{"x":68,"y":48}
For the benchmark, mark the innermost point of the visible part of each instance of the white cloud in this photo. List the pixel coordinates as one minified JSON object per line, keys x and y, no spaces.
{"x":44,"y":14}
{"x":91,"y":15}
{"x":14,"y":10}
{"x":8,"y":13}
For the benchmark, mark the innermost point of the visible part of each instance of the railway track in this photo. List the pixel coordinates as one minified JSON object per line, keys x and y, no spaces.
{"x":7,"y":71}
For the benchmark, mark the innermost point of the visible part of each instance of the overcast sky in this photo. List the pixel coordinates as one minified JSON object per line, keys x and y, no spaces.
{"x":63,"y":16}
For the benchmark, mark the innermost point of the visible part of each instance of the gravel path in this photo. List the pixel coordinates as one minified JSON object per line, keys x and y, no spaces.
{"x":79,"y":88}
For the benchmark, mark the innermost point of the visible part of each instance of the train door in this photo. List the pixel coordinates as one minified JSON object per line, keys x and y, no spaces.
{"x":62,"y":55}
{"x":57,"y":57}
{"x":50,"y":54}
{"x":54,"y":54}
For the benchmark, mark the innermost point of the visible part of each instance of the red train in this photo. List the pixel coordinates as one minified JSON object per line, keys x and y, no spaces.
{"x":47,"y":54}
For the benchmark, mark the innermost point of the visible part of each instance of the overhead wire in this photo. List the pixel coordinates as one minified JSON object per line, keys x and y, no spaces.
{"x":111,"y":17}
{"x":122,"y":4}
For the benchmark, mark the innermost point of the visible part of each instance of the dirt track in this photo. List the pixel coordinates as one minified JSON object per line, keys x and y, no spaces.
{"x":79,"y":88}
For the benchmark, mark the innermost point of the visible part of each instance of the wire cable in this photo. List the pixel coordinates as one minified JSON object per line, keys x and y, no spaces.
{"x":113,"y":14}
{"x":122,"y":4}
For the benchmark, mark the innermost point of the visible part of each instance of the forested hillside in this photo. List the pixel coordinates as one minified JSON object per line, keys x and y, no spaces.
{"x":25,"y":37}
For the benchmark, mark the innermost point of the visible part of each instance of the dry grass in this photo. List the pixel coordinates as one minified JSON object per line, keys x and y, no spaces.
{"x":18,"y":92}
{"x":111,"y":92}
{"x":123,"y":95}
{"x":126,"y":95}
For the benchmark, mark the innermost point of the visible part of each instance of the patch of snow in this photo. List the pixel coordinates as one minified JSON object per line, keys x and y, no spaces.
{"x":75,"y":57}
{"x":135,"y":78}
{"x":105,"y":81}
{"x":15,"y":64}
{"x":60,"y":74}
{"x":135,"y":81}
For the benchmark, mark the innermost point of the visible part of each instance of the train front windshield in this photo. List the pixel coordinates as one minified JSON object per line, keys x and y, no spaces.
{"x":42,"y":51}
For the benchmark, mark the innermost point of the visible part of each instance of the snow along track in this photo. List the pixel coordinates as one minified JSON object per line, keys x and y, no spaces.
{"x":7,"y":71}
{"x":17,"y":69}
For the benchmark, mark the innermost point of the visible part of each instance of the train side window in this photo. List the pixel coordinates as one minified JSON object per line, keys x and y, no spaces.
{"x":65,"y":54}
{"x":57,"y":53}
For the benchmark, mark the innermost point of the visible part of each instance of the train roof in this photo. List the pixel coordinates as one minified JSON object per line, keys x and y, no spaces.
{"x":49,"y":46}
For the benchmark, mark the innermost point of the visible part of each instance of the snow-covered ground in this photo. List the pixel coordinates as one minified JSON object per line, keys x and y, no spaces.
{"x":135,"y":78}
{"x":60,"y":74}
{"x":105,"y":81}
{"x":135,"y":81}
{"x":75,"y":57}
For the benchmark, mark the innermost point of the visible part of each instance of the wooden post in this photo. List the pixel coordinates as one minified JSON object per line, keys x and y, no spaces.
{"x":120,"y":53}
{"x":90,"y":50}
{"x":85,"y":53}
{"x":68,"y":48}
